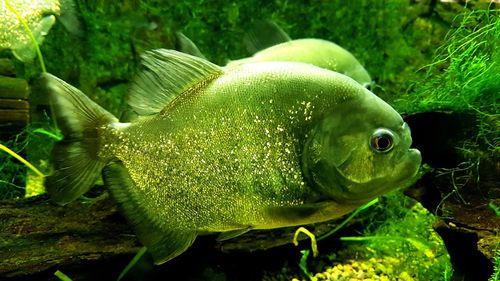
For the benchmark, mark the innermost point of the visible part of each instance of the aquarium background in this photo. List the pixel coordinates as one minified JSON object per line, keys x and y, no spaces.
{"x":436,"y":62}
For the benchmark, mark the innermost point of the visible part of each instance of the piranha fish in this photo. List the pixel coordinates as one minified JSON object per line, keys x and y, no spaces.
{"x":268,"y":42}
{"x":257,"y":146}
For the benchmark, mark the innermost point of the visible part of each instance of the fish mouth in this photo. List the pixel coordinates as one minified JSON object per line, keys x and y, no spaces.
{"x":408,"y":168}
{"x":415,"y":155}
{"x":355,"y":192}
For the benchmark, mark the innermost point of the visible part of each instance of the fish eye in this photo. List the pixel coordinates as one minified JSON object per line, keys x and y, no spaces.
{"x":382,"y":140}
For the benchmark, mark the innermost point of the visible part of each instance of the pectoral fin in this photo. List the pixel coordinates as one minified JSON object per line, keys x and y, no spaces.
{"x":164,"y":244}
{"x":169,"y":244}
{"x":309,"y":213}
{"x":232,"y":234}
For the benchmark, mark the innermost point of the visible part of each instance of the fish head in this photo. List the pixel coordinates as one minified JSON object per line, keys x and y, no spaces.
{"x":360,"y":151}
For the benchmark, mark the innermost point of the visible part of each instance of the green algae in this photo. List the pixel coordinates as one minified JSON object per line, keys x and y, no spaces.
{"x":496,"y":267}
{"x":61,"y":276}
{"x":407,"y":235}
{"x":12,"y":173}
{"x":465,"y":71}
{"x":397,"y":241}
{"x":464,"y":78}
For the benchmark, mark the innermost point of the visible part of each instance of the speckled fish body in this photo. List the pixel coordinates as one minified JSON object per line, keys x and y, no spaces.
{"x":217,"y":161}
{"x":255,"y":146}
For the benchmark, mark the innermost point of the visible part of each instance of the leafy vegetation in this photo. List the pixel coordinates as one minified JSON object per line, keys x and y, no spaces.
{"x":15,"y":180}
{"x":397,"y":234}
{"x":465,"y":71}
{"x":12,"y":173}
{"x":396,"y":242}
{"x":496,"y":267}
{"x":405,"y":233}
{"x":464,"y":78}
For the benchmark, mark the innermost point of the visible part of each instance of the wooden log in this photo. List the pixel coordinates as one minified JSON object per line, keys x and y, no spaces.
{"x":14,"y":117}
{"x":36,"y":235}
{"x":13,"y":88}
{"x":14,"y":104}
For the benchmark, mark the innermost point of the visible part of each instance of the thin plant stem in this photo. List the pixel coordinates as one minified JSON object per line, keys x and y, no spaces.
{"x":28,"y":31}
{"x":24,"y":161}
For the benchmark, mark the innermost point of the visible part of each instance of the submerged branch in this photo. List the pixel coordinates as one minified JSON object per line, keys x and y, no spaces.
{"x":36,"y":236}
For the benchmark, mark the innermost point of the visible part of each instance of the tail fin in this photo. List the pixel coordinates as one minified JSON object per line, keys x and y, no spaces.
{"x":76,"y":161}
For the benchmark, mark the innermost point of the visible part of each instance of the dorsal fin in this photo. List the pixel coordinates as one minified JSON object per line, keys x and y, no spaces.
{"x":264,"y":34}
{"x":167,"y":74}
{"x":185,"y":45}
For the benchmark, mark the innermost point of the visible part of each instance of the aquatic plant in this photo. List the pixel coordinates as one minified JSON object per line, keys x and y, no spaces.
{"x":34,"y":42}
{"x":34,"y":183}
{"x":303,"y":265}
{"x":465,"y":72}
{"x":12,"y":174}
{"x":19,"y":176}
{"x":464,"y":78}
{"x":397,"y":241}
{"x":496,"y":267}
{"x":494,"y":208}
{"x":132,"y":263}
{"x":62,"y":276}
{"x":314,"y":248}
{"x":24,"y":161}
{"x":348,"y":219}
{"x":406,"y":234}
{"x":314,"y":245}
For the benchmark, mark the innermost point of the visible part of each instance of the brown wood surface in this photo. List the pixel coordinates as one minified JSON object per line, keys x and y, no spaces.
{"x":36,"y":235}
{"x":13,"y":104}
{"x":19,"y":117}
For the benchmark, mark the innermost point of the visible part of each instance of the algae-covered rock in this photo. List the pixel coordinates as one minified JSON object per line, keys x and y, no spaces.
{"x":398,"y":243}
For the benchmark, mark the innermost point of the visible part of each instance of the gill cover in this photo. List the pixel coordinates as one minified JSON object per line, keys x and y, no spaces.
{"x":360,"y":152}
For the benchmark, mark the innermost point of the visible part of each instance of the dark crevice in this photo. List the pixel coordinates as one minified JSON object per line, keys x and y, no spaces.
{"x":437,"y":134}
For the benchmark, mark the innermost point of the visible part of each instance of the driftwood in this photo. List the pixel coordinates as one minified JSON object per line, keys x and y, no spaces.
{"x":14,"y":112}
{"x":36,"y":235}
{"x":14,"y":107}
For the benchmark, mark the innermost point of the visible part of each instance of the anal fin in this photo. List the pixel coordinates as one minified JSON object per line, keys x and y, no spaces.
{"x":164,"y":244}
